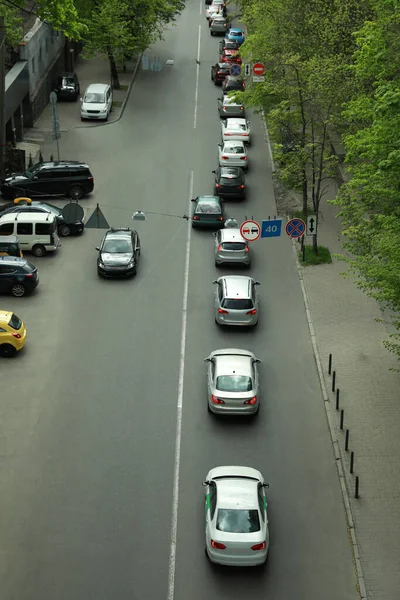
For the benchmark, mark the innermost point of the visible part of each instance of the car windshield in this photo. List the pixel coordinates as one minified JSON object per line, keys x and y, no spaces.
{"x":117,"y":246}
{"x":208,"y":208}
{"x":234,"y":149}
{"x":234,"y":383}
{"x":15,"y":322}
{"x":94,"y":98}
{"x":238,"y":303}
{"x":238,"y":521}
{"x":33,"y":170}
{"x":68,"y":81}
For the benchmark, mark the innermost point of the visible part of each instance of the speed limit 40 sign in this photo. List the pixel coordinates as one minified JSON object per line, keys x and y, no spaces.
{"x":271,"y":228}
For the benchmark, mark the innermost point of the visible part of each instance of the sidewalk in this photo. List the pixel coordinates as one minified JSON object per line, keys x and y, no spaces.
{"x":345,"y":326}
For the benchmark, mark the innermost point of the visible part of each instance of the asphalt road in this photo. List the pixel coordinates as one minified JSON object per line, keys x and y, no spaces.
{"x":88,"y":412}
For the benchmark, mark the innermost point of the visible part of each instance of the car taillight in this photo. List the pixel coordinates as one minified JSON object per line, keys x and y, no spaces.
{"x":216,"y":400}
{"x":225,"y":157}
{"x":224,"y":108}
{"x":246,"y":249}
{"x":222,"y":311}
{"x":252,"y":312}
{"x":219,"y":248}
{"x":90,"y":178}
{"x":243,"y":158}
{"x":217,"y":185}
{"x":17,"y":335}
{"x":251,"y":401}
{"x":29,"y":275}
{"x":220,"y":219}
{"x":259,"y":546}
{"x":217,"y":545}
{"x":241,"y":187}
{"x":195,"y":218}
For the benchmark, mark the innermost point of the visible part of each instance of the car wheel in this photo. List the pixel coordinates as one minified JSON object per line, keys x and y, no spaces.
{"x":64,"y":230}
{"x":75,"y":192}
{"x":18,"y":290}
{"x":99,"y":274}
{"x":7,"y":351}
{"x":82,"y":119}
{"x":212,"y":33}
{"x":217,"y":264}
{"x":38,"y":250}
{"x":134,"y":272}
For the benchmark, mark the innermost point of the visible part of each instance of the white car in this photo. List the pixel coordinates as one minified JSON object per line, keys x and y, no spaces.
{"x":236,"y":517}
{"x":233,"y":154}
{"x":213,"y":10}
{"x":97,"y":102}
{"x":236,"y":129}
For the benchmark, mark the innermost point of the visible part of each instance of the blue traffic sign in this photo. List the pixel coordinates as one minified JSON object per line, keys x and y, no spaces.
{"x":295,"y":228}
{"x":235,"y":70}
{"x":271,"y":228}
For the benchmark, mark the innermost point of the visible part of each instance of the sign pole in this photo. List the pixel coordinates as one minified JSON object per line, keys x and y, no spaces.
{"x":55,"y":121}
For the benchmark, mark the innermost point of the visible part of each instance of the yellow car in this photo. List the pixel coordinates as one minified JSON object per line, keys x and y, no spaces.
{"x":12,"y":334}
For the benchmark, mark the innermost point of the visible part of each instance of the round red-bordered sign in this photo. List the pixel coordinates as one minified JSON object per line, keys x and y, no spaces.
{"x":258,"y":69}
{"x":250,"y":231}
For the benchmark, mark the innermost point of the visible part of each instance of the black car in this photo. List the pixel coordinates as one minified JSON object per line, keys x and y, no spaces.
{"x":17,"y":276}
{"x":230,"y":183}
{"x":226,"y":44}
{"x":72,"y":179}
{"x":219,"y":72}
{"x":119,"y":253}
{"x":67,"y":87}
{"x":64,"y":229}
{"x":208,"y":212}
{"x":231,"y":84}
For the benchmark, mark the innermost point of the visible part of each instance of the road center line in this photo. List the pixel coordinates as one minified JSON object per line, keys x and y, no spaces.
{"x":179,"y":406}
{"x":196,"y":93}
{"x":201,"y":6}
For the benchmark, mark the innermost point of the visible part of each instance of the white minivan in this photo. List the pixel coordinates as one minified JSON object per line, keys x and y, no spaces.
{"x":97,"y":102}
{"x":36,"y":232}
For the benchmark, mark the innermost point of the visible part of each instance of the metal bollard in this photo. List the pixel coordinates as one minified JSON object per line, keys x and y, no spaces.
{"x":337,"y":399}
{"x":356,"y":494}
{"x":333,"y":380}
{"x":351,"y":462}
{"x":330,"y":364}
{"x":346,"y":443}
{"x":341,"y":418}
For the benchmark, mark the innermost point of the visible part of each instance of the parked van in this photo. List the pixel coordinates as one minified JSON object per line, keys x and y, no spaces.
{"x":9,"y":246}
{"x":36,"y":232}
{"x":97,"y":102}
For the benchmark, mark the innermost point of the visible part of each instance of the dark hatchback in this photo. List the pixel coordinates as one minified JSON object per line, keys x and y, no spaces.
{"x":226,"y":44}
{"x":230,"y":183}
{"x":17,"y":276}
{"x":208,"y":212}
{"x":119,"y":253}
{"x":67,"y":87}
{"x":64,"y":229}
{"x":219,"y":72}
{"x":231,"y":84}
{"x":71,"y":179}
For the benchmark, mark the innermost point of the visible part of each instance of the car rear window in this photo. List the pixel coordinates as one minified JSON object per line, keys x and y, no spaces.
{"x":15,"y":322}
{"x":234,"y":149}
{"x":234,"y":383}
{"x":238,"y":521}
{"x":229,"y":180}
{"x":233,"y":246}
{"x":204,"y":208}
{"x":238,"y":303}
{"x":236,"y":126}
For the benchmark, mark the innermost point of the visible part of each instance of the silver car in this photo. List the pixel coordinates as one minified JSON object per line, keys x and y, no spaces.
{"x":236,"y":301}
{"x":228,"y":108}
{"x":232,"y":382}
{"x":218,"y":25}
{"x":233,"y":154}
{"x":231,"y":248}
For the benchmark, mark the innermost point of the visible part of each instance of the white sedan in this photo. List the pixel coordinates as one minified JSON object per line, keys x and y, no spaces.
{"x":233,"y":154}
{"x":213,"y":10}
{"x":236,"y":129}
{"x":236,"y":517}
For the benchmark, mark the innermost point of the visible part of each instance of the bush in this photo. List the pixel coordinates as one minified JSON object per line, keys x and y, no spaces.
{"x":323,"y":256}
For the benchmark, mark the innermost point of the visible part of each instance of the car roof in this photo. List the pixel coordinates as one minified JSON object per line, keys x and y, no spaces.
{"x":97,"y":87}
{"x":229,"y":364}
{"x":237,"y":285}
{"x":231,"y":234}
{"x":5,"y":316}
{"x":235,"y":30}
{"x":208,"y":199}
{"x":62,"y":163}
{"x":237,"y":493}
{"x":235,"y":121}
{"x":9,"y":260}
{"x":26,"y":216}
{"x":232,"y":143}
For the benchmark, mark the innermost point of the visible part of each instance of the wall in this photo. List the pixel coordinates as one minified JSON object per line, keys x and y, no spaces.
{"x":42,"y":48}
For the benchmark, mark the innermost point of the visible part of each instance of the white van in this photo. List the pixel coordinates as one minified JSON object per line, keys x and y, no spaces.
{"x":36,"y":232}
{"x":97,"y":102}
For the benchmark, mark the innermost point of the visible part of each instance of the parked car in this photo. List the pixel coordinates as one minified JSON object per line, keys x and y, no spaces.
{"x":219,"y":72}
{"x":36,"y":231}
{"x":232,"y":84}
{"x":227,"y":107}
{"x":64,"y":228}
{"x":12,"y":334}
{"x":208,"y":212}
{"x":72,"y":179}
{"x":235,"y":34}
{"x":230,"y":183}
{"x":17,"y":276}
{"x":97,"y":102}
{"x":67,"y":87}
{"x":236,"y":301}
{"x":236,"y":129}
{"x":231,"y":56}
{"x":218,"y":25}
{"x":119,"y":253}
{"x":236,"y":516}
{"x":233,"y":153}
{"x":231,"y":248}
{"x":226,"y":44}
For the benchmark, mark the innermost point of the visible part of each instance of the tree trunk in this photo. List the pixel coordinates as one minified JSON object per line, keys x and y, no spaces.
{"x":315,"y":241}
{"x":305,"y":192}
{"x":113,"y":70}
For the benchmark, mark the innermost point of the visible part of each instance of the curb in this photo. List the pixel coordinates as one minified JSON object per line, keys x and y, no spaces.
{"x":327,"y":405}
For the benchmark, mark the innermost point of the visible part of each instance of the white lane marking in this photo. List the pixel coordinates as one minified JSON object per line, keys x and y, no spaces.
{"x":201,"y":6}
{"x":178,"y":435}
{"x":271,"y":157}
{"x":196,"y":93}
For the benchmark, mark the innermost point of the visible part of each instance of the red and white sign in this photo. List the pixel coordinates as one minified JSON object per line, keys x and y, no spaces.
{"x":258,"y":69}
{"x":250,"y":231}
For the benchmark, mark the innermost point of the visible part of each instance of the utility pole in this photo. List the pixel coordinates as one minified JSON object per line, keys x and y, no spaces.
{"x":2,"y":97}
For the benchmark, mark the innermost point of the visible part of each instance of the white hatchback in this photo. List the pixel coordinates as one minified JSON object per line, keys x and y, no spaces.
{"x":233,"y":154}
{"x":236,"y":130}
{"x":237,"y":532}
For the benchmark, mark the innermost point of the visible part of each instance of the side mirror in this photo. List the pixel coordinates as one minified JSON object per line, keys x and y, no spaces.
{"x":220,"y":145}
{"x":97,"y":248}
{"x":257,"y":360}
{"x":214,"y":233}
{"x":205,"y":483}
{"x":193,"y":200}
{"x":207,"y":359}
{"x":257,"y":283}
{"x":265,"y":485}
{"x":213,"y":171}
{"x":81,"y":99}
{"x":215,"y":281}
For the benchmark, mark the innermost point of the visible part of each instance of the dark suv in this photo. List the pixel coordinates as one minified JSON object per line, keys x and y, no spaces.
{"x":67,"y":87}
{"x":17,"y":276}
{"x":119,"y":253}
{"x":219,"y":72}
{"x":72,"y":179}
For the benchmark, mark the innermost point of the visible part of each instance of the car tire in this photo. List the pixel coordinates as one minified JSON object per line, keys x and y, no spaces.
{"x":18,"y":290}
{"x":38,"y":250}
{"x":75,"y":192}
{"x":210,"y":411}
{"x":134,"y":273}
{"x":64,"y":230}
{"x":212,"y":33}
{"x":7,"y":351}
{"x":82,"y":119}
{"x":99,"y":274}
{"x":217,"y":264}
